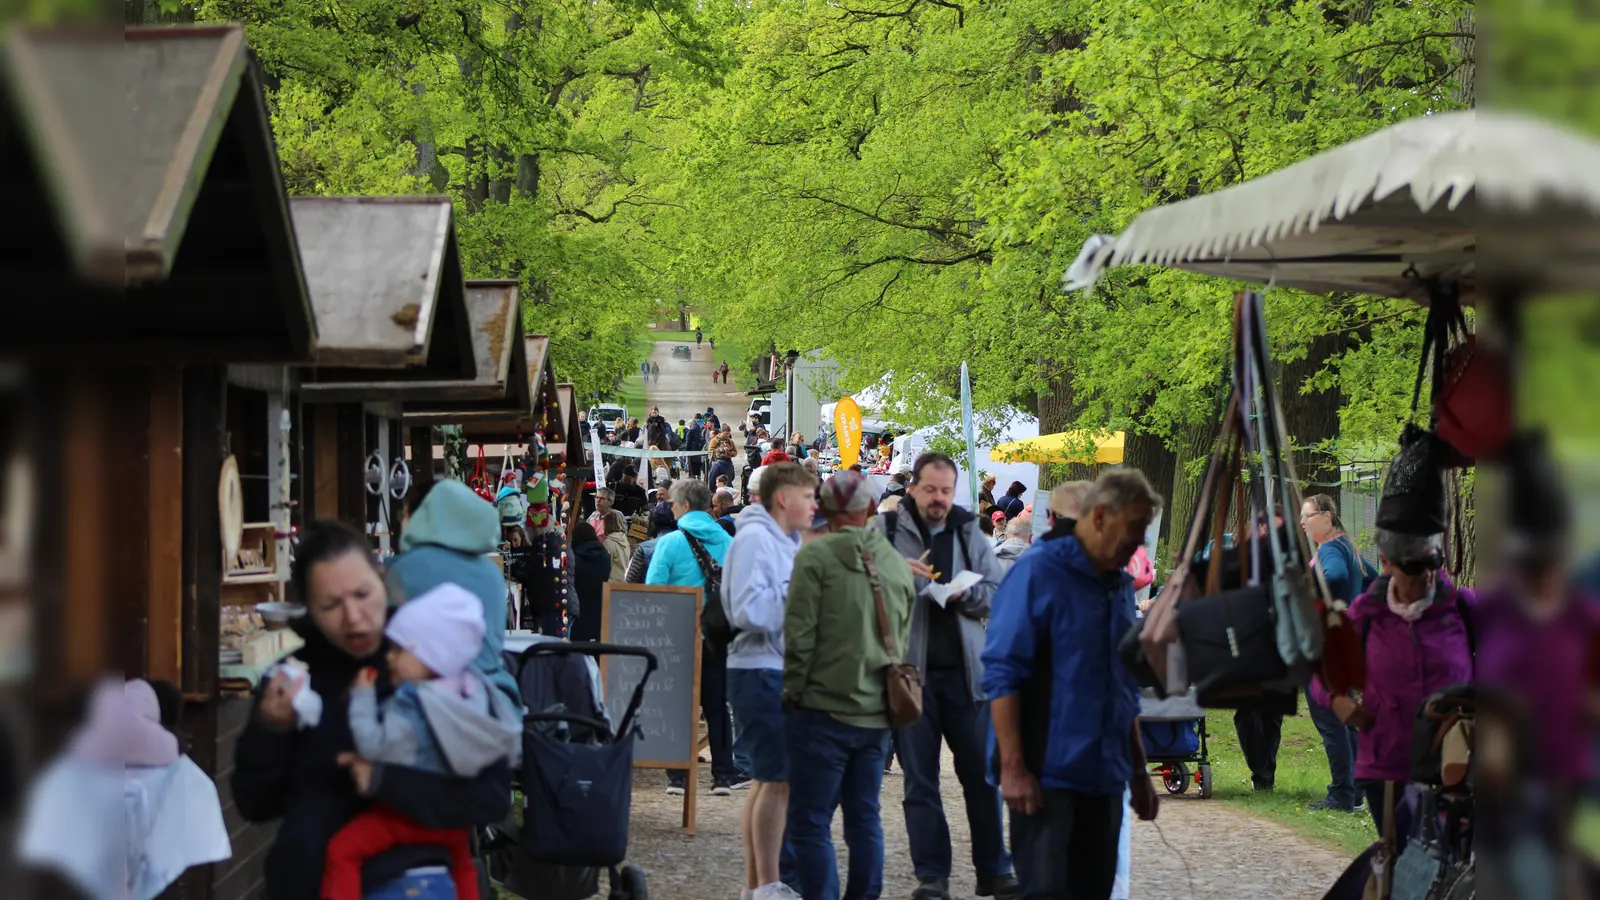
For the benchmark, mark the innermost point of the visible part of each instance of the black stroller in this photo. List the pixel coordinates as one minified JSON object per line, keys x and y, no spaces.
{"x":575,"y":785}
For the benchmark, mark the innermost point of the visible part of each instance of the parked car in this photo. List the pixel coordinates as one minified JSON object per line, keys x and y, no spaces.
{"x":610,"y":413}
{"x":761,"y":408}
{"x":682,"y":351}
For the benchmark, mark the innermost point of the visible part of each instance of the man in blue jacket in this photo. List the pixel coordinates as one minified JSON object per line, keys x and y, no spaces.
{"x":676,"y":562}
{"x":1065,"y":709}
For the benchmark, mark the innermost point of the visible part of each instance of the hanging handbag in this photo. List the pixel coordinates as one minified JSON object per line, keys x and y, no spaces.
{"x":1422,"y":861}
{"x":1269,"y":629}
{"x":902,"y":684}
{"x":1414,"y":500}
{"x":479,"y":482}
{"x":1383,"y":862}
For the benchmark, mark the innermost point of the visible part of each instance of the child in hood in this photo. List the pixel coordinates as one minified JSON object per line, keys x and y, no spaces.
{"x":443,"y":717}
{"x":446,"y":537}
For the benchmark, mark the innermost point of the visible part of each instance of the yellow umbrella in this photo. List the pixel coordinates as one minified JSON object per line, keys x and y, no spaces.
{"x":1065,"y":447}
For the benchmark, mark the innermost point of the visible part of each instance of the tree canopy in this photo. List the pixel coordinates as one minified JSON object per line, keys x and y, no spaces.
{"x":898,"y":183}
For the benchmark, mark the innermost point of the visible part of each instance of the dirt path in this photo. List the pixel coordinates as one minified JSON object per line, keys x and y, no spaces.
{"x":686,"y":387}
{"x":1230,"y":855}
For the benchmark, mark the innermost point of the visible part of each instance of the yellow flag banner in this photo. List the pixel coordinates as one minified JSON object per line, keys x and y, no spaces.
{"x":847,"y":427}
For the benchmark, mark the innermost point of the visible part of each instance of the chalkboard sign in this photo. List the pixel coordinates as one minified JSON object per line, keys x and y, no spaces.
{"x":665,"y":621}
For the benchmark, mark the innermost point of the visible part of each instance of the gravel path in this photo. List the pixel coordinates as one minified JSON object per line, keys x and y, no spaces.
{"x":686,"y":387}
{"x":1230,"y":855}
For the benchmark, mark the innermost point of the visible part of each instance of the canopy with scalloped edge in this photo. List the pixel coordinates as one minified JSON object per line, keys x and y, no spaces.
{"x":1487,"y":201}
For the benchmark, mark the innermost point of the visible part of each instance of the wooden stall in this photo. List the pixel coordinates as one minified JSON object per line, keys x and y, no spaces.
{"x":131,"y":217}
{"x":502,"y":425}
{"x":386,"y":286}
{"x":574,"y":467}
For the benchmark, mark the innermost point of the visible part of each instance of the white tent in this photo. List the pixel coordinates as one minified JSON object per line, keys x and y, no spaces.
{"x":1019,"y":428}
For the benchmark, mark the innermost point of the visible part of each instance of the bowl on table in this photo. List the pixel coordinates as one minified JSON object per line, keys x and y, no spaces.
{"x":276,"y":615}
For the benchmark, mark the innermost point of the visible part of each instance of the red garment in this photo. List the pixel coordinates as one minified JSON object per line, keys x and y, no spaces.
{"x":376,"y":830}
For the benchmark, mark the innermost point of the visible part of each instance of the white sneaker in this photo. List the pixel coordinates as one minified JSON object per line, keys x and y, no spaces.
{"x":774,"y":891}
{"x":674,"y":791}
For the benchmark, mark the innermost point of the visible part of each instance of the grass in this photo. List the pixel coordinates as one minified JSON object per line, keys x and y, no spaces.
{"x":1302,"y":780}
{"x":631,"y":395}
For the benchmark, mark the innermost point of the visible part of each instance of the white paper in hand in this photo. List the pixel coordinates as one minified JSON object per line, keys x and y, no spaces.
{"x":941,"y":593}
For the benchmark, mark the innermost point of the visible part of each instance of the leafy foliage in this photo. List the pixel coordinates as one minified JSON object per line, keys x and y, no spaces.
{"x":898,"y":183}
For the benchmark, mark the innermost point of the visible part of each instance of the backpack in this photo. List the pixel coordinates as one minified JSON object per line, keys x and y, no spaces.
{"x":714,"y":625}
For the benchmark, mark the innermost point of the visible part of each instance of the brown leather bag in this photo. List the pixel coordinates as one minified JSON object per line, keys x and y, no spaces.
{"x":902,"y":683}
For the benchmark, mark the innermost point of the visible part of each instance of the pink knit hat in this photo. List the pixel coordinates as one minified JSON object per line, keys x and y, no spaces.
{"x":124,"y":728}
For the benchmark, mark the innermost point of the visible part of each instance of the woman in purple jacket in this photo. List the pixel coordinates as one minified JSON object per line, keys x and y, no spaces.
{"x":1418,"y":640}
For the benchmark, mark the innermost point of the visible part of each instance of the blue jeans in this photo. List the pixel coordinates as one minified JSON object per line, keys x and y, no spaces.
{"x":950,"y":715}
{"x":1339,"y":741}
{"x":834,"y":765}
{"x":432,"y":883}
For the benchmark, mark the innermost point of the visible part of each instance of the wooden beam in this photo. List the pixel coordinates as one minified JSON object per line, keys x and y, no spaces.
{"x":164,"y":631}
{"x":205,"y":392}
{"x":351,"y":458}
{"x":87,"y":612}
{"x":421,"y":461}
{"x":325,"y":449}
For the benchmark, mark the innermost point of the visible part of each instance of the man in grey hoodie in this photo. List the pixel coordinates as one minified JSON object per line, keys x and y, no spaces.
{"x":1019,"y":534}
{"x":755,"y":588}
{"x":940,"y":539}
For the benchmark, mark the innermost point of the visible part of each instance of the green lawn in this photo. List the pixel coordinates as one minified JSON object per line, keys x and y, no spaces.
{"x":1301,"y":781}
{"x":631,"y":395}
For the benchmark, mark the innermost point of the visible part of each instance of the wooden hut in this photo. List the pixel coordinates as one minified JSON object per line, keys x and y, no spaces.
{"x":150,"y":245}
{"x":385,"y":280}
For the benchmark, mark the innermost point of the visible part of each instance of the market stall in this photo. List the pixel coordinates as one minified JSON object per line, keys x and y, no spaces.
{"x":134,"y":393}
{"x":379,"y":320}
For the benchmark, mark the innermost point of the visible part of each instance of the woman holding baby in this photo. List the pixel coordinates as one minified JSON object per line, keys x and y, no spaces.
{"x":412,"y":745}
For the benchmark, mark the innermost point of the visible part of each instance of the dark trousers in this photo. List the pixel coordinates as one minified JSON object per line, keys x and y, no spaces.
{"x":1339,"y":741}
{"x":719,"y":722}
{"x":951,"y":716}
{"x":1260,"y":733}
{"x":835,"y":766}
{"x":1068,"y":849}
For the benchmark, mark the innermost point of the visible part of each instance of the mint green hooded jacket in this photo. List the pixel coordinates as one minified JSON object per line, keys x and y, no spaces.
{"x":446,"y":541}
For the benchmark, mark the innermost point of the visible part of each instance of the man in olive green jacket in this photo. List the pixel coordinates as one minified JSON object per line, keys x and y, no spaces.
{"x":833,"y":685}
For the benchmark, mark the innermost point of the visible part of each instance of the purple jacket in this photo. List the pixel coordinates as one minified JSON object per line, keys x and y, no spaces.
{"x":1406,"y":663}
{"x":1545,"y":664}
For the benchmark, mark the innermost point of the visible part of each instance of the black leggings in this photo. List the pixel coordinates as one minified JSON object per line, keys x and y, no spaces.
{"x":1373,"y":791}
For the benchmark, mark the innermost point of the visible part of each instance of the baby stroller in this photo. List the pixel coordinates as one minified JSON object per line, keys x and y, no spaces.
{"x":575,"y":786}
{"x":1174,"y":734}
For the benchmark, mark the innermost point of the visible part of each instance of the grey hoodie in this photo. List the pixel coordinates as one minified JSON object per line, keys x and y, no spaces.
{"x":755,"y":586}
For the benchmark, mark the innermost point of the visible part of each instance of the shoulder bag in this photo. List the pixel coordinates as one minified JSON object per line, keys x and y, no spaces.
{"x":901,"y":683}
{"x":714,"y":625}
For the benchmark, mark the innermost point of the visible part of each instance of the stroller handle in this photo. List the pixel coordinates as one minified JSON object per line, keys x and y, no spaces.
{"x":587,"y":648}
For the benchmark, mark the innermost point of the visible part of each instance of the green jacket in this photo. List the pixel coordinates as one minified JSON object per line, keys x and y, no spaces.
{"x":833,"y":655}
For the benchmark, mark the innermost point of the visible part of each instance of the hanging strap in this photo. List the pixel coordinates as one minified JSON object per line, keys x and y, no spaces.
{"x":877,"y":601}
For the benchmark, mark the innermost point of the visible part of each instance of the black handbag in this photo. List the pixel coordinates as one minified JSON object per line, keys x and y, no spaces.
{"x":1257,"y":624}
{"x":1231,"y":638}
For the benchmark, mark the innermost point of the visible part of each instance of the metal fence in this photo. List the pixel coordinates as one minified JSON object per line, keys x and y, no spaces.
{"x":1358,"y":506}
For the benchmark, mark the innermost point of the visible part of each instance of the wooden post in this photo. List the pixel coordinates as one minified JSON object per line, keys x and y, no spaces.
{"x":204,"y":421}
{"x":350,"y":460}
{"x":325,"y":451}
{"x":421,"y":454}
{"x":164,"y":629}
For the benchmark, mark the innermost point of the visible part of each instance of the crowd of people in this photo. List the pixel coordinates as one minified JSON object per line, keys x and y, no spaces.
{"x":827,"y":586}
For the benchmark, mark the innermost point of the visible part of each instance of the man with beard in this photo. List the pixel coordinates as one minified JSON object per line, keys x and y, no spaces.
{"x":940,"y":539}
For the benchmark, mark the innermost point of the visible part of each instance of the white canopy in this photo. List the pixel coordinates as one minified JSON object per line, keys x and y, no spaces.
{"x":1464,"y":196}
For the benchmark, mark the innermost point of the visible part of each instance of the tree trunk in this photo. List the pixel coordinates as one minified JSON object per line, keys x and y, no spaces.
{"x":1312,"y":418}
{"x":1059,"y":409}
{"x":1462,"y":538}
{"x":1150,"y":455}
{"x":1194,"y":442}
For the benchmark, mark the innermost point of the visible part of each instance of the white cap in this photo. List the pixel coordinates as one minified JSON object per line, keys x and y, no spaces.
{"x":443,"y":628}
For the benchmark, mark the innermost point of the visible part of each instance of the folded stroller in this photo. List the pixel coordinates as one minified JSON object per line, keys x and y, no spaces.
{"x":576,"y":781}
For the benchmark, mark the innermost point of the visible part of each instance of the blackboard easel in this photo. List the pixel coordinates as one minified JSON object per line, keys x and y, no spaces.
{"x":666,"y":621}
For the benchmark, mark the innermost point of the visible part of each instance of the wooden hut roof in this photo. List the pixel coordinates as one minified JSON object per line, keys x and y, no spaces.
{"x":153,"y":218}
{"x":490,"y":427}
{"x":386,"y":284}
{"x":497,"y":348}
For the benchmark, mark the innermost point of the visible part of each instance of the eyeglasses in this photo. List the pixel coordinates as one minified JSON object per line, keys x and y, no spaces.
{"x":1416,"y":567}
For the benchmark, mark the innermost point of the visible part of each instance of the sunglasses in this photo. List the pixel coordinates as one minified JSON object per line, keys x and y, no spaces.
{"x":1419,"y":566}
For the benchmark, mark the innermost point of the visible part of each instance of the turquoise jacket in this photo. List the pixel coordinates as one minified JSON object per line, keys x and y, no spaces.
{"x":447,"y":541}
{"x":673,"y":561}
